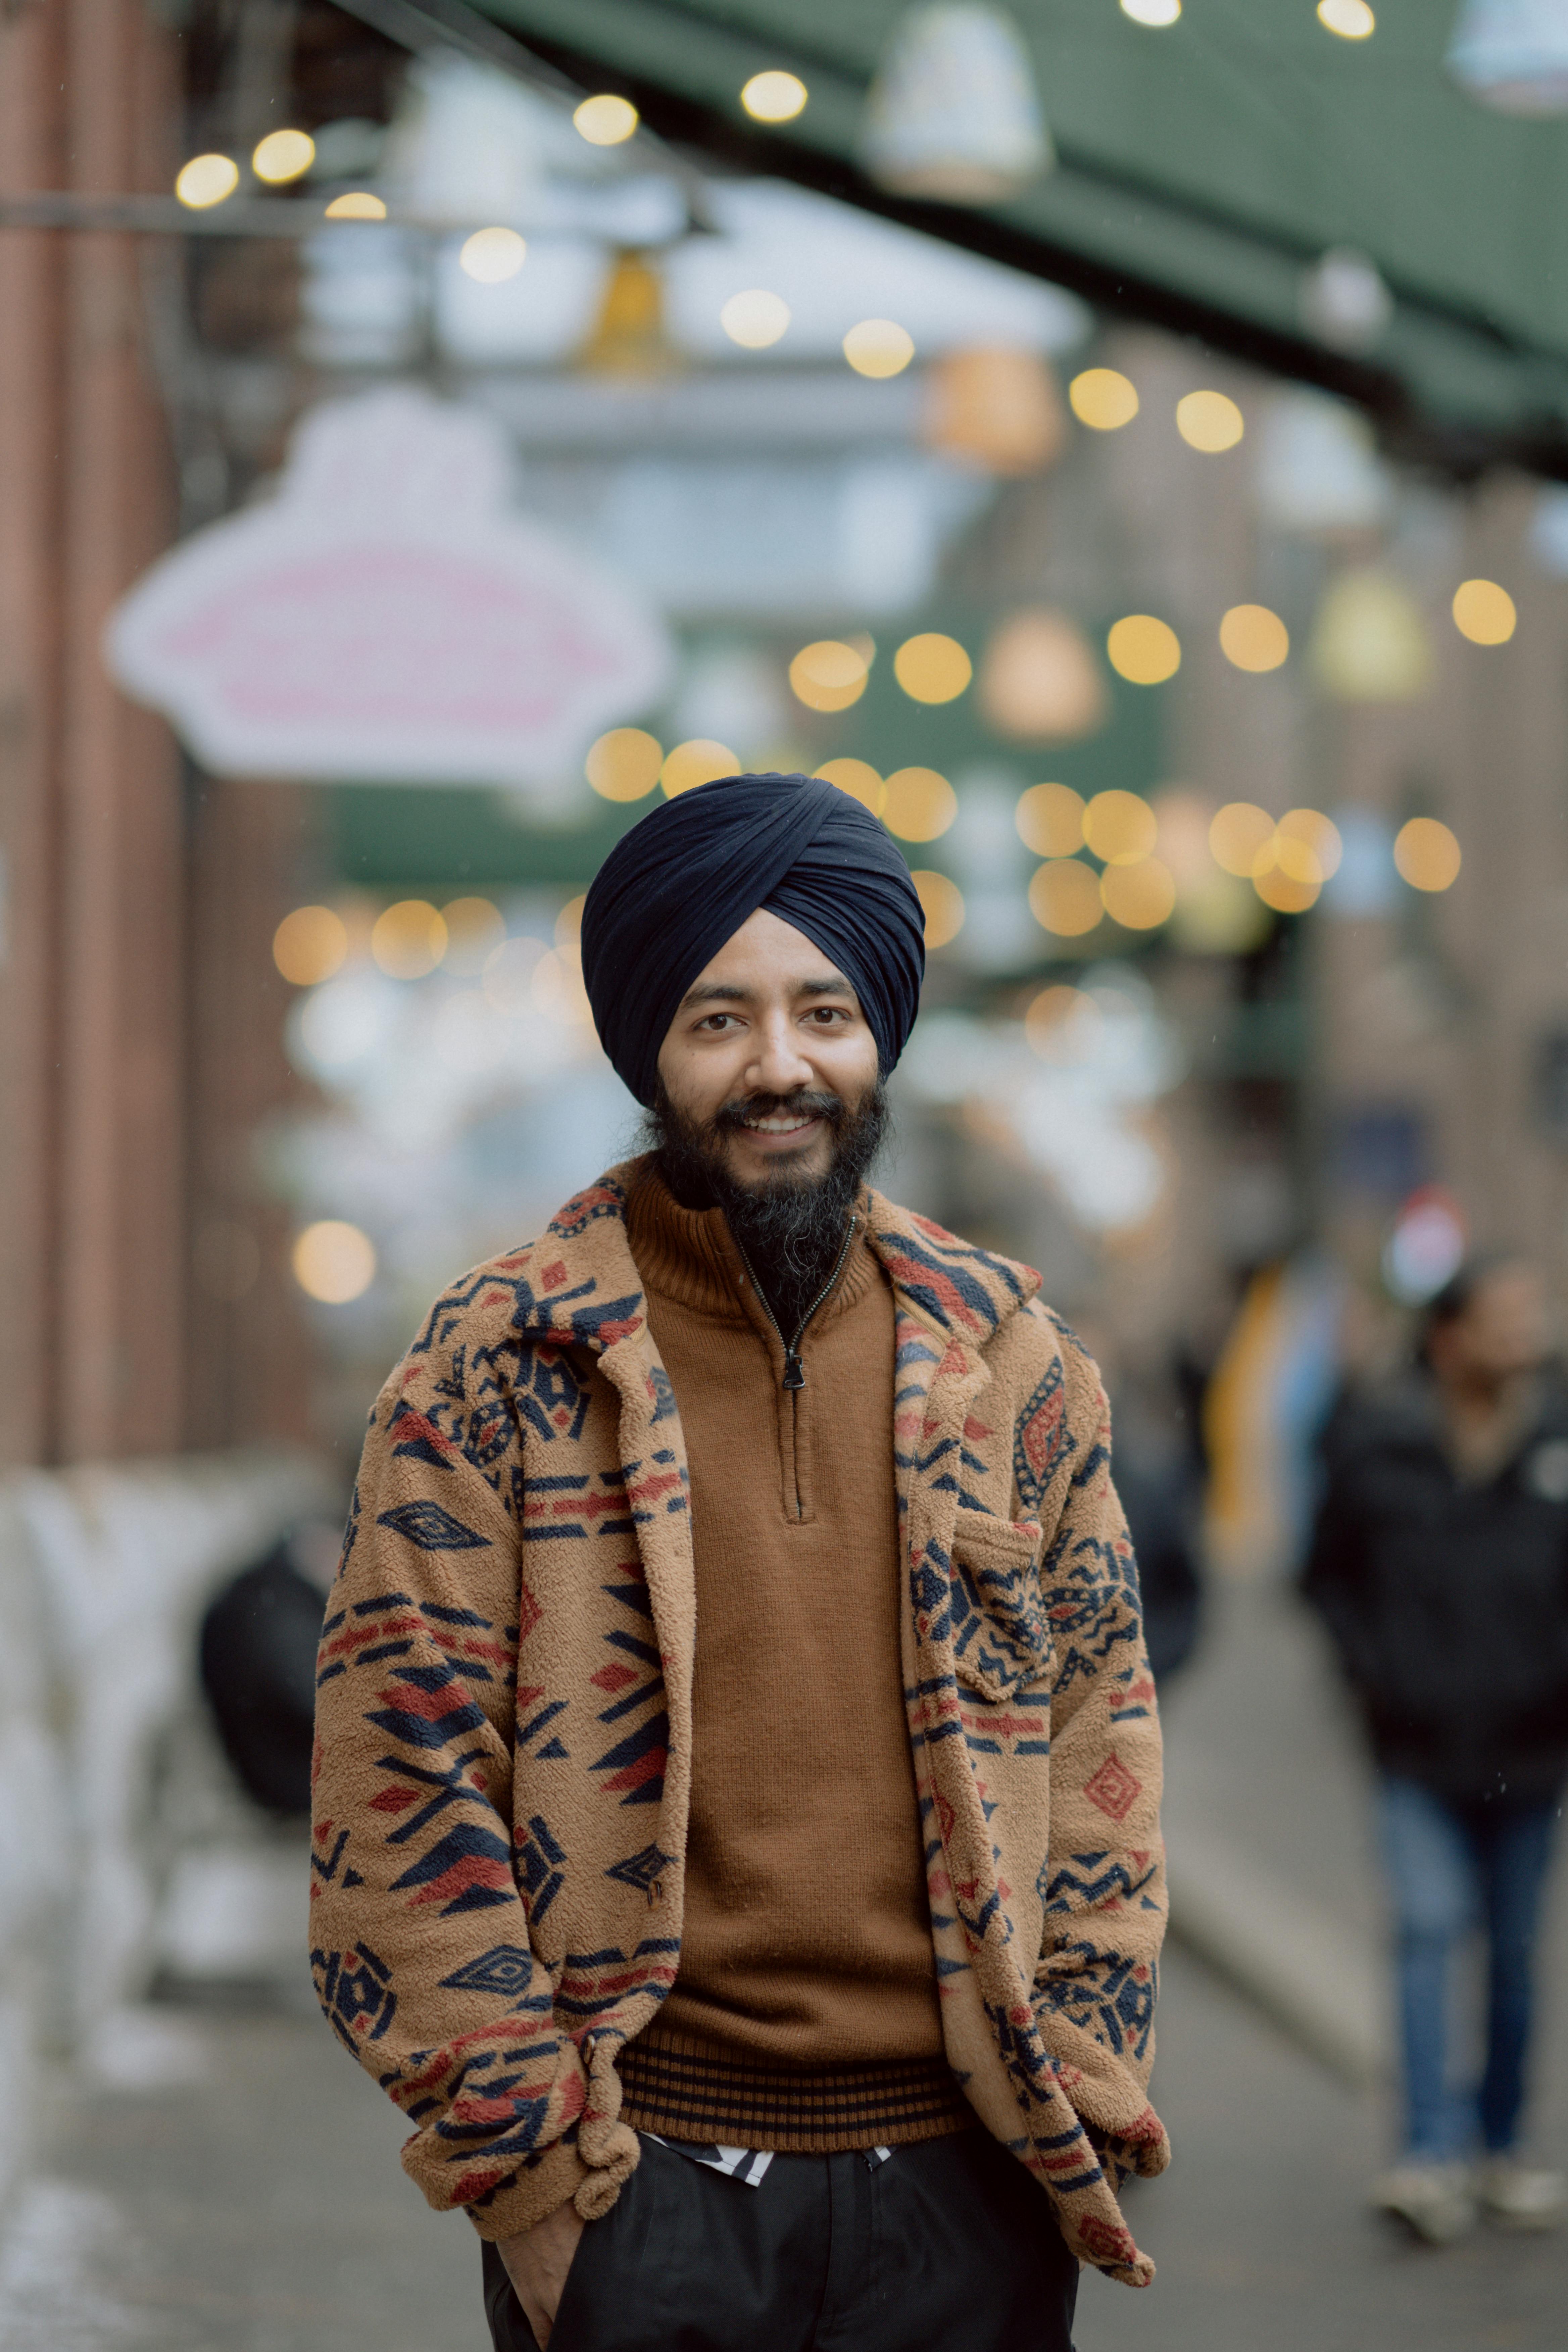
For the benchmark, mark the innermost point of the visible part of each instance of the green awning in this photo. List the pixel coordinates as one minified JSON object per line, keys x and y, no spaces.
{"x":1203,"y":170}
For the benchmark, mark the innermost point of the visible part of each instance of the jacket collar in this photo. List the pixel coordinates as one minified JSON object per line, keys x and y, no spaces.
{"x":581,"y":1288}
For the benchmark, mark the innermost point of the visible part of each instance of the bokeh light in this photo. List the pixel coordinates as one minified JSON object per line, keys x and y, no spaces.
{"x":604,"y":119}
{"x":828,"y":675}
{"x":491,"y":256}
{"x":754,"y":318}
{"x":931,"y":667}
{"x":283,"y":156}
{"x":333,"y":1262}
{"x":1285,"y":892}
{"x":942,"y":902}
{"x":1369,"y":642}
{"x":556,"y":986}
{"x":1119,"y":827}
{"x":356,"y":203}
{"x":1143,"y":650}
{"x":773,"y":96}
{"x":862,"y":782}
{"x":569,"y":921}
{"x":1239,"y":833}
{"x":920,"y":804}
{"x":1352,"y":20}
{"x":1209,"y":421}
{"x":1103,"y":399}
{"x":624,"y":765}
{"x":1039,"y":680}
{"x":309,"y":945}
{"x":1306,"y":845}
{"x":698,"y":760}
{"x":879,"y":347}
{"x":207,"y":179}
{"x":1426,"y":854}
{"x":409,"y":940}
{"x":474,"y":929}
{"x":1183,"y":819}
{"x":1483,"y":612}
{"x":1253,"y":638}
{"x":1153,"y":12}
{"x":1049,"y":818}
{"x":1063,"y":898}
{"x":1139,"y":896}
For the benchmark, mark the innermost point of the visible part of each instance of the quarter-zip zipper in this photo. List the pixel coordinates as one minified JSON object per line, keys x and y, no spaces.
{"x":795,"y":1371}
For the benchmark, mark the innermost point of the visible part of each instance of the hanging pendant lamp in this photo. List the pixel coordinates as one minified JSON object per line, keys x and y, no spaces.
{"x":629,"y":336}
{"x":1513,"y":54}
{"x":953,"y":113}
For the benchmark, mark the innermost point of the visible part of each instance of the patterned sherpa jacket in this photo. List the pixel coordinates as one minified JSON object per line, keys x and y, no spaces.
{"x":504,"y":1727}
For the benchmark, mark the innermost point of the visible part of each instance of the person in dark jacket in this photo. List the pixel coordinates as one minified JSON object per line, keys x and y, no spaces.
{"x":1440,"y":1563}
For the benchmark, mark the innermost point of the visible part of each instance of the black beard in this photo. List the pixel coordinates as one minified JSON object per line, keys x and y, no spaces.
{"x":791,"y":1228}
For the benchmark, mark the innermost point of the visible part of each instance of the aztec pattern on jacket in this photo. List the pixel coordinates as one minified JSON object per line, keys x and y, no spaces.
{"x":504,"y":1727}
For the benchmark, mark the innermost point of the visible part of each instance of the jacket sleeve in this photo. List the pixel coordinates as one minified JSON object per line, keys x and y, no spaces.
{"x":1105,"y":1877}
{"x":419,"y":1934}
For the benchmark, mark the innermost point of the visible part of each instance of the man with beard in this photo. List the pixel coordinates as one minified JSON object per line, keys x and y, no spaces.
{"x":737,"y":1835}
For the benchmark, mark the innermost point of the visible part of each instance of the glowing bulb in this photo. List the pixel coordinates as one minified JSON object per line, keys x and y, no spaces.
{"x":879,"y":347}
{"x":492,"y":254}
{"x":1483,"y":612}
{"x":1154,"y":13}
{"x":1063,"y":898}
{"x":1119,"y":827}
{"x":1103,"y":399}
{"x":333,"y":1262}
{"x":358,"y":203}
{"x":755,"y":319}
{"x":828,"y":675}
{"x":918,"y":804}
{"x":1139,"y":896}
{"x":698,"y":760}
{"x":283,"y":156}
{"x":942,"y":902}
{"x":1352,"y":20}
{"x":1209,"y":421}
{"x":1143,"y":650}
{"x":775,"y":97}
{"x":624,"y":765}
{"x":1049,"y":818}
{"x":1253,"y":638}
{"x":931,"y":667}
{"x":207,"y":179}
{"x":1426,"y":854}
{"x":309,"y":945}
{"x":1238,"y":834}
{"x":605,"y":120}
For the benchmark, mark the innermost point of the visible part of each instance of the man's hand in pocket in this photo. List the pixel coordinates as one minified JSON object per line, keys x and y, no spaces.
{"x":537,"y":2262}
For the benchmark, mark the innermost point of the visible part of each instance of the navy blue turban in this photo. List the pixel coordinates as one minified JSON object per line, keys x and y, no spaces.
{"x":684,"y":878}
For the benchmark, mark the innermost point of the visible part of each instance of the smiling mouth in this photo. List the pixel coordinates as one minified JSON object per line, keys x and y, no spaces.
{"x":786,"y":1122}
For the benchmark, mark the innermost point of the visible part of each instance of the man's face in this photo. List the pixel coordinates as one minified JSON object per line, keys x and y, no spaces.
{"x":1502,"y":1331}
{"x":768,"y":1042}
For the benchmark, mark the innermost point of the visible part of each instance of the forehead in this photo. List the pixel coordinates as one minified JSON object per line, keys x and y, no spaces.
{"x":768,"y":956}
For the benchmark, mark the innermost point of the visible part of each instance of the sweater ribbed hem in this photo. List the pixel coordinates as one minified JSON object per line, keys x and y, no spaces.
{"x":689,"y":2089}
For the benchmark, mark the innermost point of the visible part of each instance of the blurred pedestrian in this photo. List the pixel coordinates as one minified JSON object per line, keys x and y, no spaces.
{"x":739,"y":1764}
{"x":1440,"y":1565}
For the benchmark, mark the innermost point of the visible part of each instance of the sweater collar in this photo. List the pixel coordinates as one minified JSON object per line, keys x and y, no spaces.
{"x":581,"y":1286}
{"x":689,"y":1256}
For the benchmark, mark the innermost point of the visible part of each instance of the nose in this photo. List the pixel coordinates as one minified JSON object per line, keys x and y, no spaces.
{"x":778,"y":1066}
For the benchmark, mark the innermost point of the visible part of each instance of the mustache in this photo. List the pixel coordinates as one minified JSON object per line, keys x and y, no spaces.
{"x":802,"y":1104}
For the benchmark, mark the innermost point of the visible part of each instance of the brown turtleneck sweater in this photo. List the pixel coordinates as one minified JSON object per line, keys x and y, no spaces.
{"x":805,"y":2013}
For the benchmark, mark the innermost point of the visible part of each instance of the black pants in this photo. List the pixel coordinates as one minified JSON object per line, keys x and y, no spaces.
{"x":948,"y":2247}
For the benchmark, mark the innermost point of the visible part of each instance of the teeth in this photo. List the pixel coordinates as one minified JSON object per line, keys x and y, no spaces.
{"x":787,"y":1125}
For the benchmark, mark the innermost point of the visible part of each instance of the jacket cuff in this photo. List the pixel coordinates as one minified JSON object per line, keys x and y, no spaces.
{"x":532,"y":2196}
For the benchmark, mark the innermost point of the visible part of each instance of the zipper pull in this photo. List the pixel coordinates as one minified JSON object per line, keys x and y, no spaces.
{"x":795,"y":1371}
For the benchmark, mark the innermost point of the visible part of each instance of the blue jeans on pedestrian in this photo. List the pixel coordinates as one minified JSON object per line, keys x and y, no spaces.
{"x":1453,"y":1868}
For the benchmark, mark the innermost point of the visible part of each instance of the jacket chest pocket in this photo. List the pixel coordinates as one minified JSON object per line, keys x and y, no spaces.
{"x":999,"y":1631}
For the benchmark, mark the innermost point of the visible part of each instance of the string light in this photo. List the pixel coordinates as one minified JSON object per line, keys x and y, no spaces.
{"x":207,"y":179}
{"x":919,"y":806}
{"x":1139,"y":896}
{"x":931,"y":667}
{"x":775,"y":97}
{"x":283,"y":156}
{"x":309,"y":945}
{"x":1143,"y":650}
{"x":1103,"y":399}
{"x":1049,"y":818}
{"x":828,"y":675}
{"x":624,"y":765}
{"x":1238,"y":832}
{"x":1209,"y":421}
{"x":605,"y":120}
{"x":1063,"y":898}
{"x":1119,"y":827}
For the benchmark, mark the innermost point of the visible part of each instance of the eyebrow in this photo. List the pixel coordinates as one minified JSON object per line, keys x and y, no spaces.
{"x":721,"y":991}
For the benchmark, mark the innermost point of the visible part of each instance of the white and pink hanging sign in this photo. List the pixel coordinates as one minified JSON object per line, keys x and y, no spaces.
{"x":387,"y":617}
